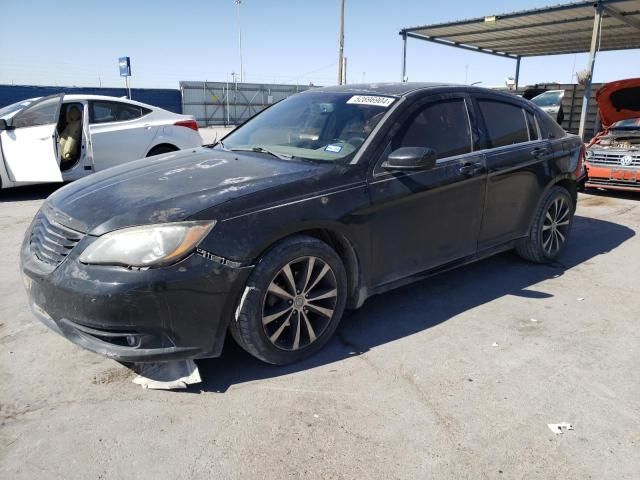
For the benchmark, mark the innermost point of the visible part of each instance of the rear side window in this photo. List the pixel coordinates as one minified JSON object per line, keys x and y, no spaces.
{"x":549,"y":126}
{"x":442,"y":126}
{"x":105,"y":112}
{"x":505,"y":123}
{"x":531,"y":125}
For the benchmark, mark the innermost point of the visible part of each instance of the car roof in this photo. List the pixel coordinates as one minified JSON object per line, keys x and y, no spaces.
{"x":84,"y":96}
{"x":78,"y":96}
{"x":395,"y":89}
{"x":409,"y":88}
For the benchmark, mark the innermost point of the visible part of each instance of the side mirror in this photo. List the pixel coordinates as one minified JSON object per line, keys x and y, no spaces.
{"x":411,"y":158}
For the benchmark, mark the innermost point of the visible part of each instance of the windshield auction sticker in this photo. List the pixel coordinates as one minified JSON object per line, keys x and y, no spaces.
{"x":371,"y":100}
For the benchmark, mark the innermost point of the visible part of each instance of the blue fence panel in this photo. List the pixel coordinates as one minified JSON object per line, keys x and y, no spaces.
{"x":168,"y":99}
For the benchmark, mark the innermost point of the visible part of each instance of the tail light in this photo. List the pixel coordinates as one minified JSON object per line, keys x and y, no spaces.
{"x":192,"y":124}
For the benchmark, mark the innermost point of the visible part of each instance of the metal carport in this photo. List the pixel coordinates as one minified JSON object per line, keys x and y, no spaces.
{"x":578,"y":27}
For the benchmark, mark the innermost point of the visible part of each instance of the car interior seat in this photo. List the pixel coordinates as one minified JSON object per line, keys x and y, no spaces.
{"x":70,"y":137}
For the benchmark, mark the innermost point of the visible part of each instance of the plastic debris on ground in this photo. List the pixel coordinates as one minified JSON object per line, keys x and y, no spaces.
{"x":167,"y":375}
{"x":559,"y":428}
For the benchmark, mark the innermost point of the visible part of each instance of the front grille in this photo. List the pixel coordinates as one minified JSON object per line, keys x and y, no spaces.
{"x":603,"y":157}
{"x":52,"y":242}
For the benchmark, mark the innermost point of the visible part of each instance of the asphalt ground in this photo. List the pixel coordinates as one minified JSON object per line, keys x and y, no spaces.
{"x":456,"y":377}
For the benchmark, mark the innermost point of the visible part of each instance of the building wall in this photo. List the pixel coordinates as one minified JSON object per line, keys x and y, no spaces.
{"x":169,"y":99}
{"x":572,"y":107}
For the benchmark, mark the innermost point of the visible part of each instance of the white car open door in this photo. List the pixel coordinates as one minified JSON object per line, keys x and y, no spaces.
{"x":29,"y":142}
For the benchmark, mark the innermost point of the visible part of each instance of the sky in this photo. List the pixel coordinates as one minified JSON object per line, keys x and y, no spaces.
{"x":78,"y":42}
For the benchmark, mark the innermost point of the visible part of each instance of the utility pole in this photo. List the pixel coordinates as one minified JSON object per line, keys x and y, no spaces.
{"x":238,"y":3}
{"x":341,"y":44}
{"x":344,"y":71}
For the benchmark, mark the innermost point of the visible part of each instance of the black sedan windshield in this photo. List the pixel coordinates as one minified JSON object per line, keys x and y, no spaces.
{"x":316,"y":126}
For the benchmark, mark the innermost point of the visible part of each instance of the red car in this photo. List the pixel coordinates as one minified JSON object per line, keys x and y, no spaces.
{"x":613,"y":156}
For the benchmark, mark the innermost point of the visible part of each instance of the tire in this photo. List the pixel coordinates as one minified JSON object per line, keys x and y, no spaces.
{"x":278,"y":327}
{"x":160,"y":149}
{"x":550,"y":229}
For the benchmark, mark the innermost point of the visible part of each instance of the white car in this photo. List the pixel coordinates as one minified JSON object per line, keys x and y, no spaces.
{"x":66,"y":137}
{"x":551,"y":102}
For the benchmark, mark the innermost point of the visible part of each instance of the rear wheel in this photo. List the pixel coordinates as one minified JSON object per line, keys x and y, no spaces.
{"x":293,"y":301}
{"x":550,"y":228}
{"x":160,"y":149}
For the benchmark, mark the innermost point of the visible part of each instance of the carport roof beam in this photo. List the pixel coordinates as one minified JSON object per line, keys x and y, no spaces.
{"x":554,"y":30}
{"x":559,"y":29}
{"x":623,"y":17}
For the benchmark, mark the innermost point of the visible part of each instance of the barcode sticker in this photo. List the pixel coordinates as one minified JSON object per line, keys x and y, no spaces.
{"x":371,"y":100}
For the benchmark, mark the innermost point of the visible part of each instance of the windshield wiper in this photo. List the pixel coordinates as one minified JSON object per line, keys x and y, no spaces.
{"x":281,"y":156}
{"x":215,"y":144}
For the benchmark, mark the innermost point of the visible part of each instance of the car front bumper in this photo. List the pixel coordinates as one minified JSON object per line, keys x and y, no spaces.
{"x":612,"y":177}
{"x":177,"y":312}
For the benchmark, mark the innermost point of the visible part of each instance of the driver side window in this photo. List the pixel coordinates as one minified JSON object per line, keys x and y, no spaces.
{"x":442,"y":126}
{"x":41,"y":113}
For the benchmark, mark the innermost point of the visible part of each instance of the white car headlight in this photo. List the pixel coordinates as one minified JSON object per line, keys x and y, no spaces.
{"x":145,"y":246}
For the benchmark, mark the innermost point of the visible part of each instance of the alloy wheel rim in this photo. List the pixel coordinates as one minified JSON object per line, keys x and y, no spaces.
{"x":299,"y":303}
{"x":555,"y":226}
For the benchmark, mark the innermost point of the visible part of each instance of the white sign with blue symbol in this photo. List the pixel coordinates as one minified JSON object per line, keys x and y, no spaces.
{"x":125,"y":66}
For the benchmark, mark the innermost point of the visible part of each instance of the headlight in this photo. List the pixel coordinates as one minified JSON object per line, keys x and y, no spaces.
{"x":149,"y":245}
{"x":589,"y":154}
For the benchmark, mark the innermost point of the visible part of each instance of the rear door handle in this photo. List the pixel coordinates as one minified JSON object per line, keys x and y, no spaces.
{"x":540,"y":152}
{"x":471,"y":168}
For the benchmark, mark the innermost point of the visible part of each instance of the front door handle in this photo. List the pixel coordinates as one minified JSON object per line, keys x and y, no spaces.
{"x":471,"y":168}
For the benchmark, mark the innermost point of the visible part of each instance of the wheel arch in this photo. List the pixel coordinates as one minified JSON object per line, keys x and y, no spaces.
{"x":170,"y":146}
{"x":570,"y":184}
{"x":345,"y":250}
{"x":566,"y":181}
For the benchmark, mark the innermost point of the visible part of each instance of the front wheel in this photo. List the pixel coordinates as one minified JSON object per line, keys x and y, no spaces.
{"x":550,"y":228}
{"x":293,"y":301}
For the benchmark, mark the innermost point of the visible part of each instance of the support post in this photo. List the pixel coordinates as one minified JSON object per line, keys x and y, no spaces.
{"x":595,"y":43}
{"x":404,"y":57}
{"x":517,"y":79}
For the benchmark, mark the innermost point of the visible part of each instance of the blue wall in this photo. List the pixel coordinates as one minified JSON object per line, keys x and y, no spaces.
{"x":164,"y":98}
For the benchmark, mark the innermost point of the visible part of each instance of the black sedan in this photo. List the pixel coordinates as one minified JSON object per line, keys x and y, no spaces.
{"x":308,"y":209}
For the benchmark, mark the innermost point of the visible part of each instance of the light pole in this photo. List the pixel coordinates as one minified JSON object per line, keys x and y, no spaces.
{"x":238,"y":3}
{"x":341,"y":44}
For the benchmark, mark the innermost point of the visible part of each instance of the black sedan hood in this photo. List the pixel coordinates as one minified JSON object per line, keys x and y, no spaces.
{"x":170,"y":188}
